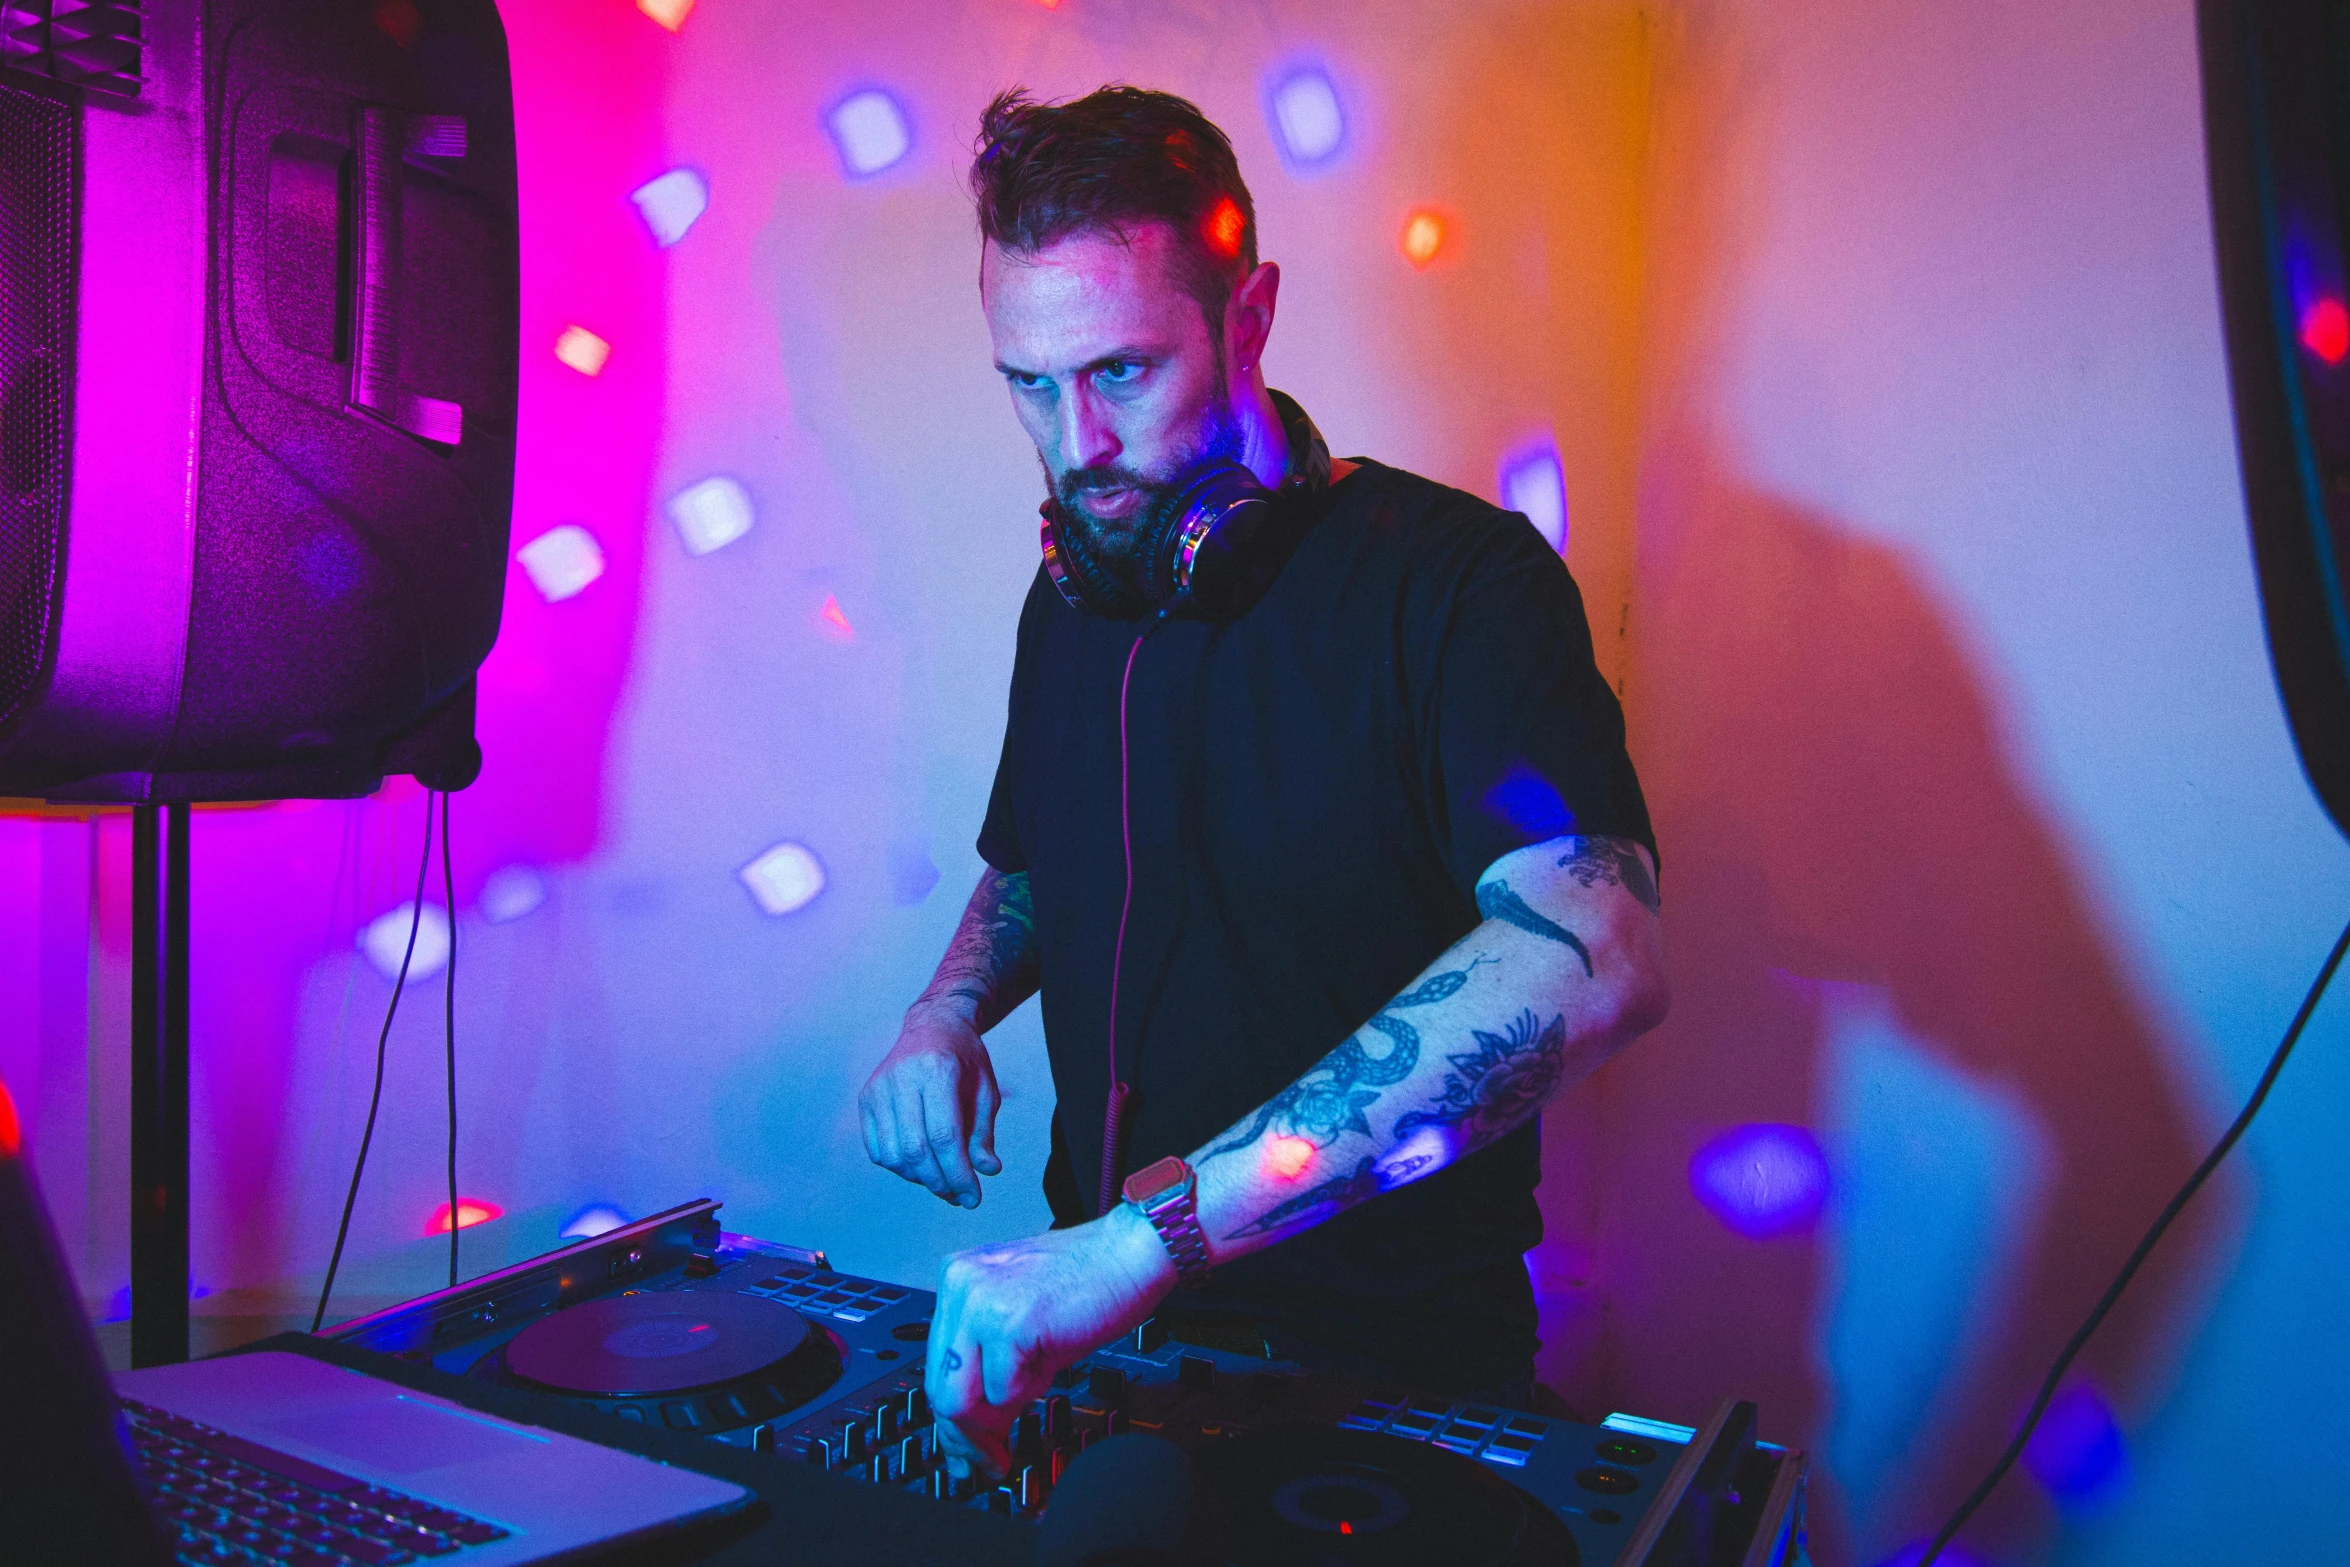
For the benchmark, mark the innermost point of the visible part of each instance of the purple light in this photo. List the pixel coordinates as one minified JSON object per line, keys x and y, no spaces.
{"x":2077,"y":1451}
{"x":1533,"y":482}
{"x":671,"y":204}
{"x":1307,"y":121}
{"x":870,"y":130}
{"x":1952,"y":1556}
{"x":1761,"y":1180}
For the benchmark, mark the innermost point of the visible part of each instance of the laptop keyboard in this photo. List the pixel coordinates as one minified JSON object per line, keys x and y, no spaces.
{"x":234,"y":1501}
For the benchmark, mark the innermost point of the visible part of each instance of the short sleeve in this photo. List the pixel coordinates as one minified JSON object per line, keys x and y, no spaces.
{"x":1522,"y":740}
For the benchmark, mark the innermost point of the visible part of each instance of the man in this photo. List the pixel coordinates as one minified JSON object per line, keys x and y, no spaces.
{"x":1349,"y":886}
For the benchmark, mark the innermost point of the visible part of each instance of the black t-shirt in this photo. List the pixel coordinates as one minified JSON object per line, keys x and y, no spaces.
{"x":1315,"y":789}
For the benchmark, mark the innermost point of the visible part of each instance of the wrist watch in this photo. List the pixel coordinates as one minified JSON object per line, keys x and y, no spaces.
{"x":1167,"y":1194}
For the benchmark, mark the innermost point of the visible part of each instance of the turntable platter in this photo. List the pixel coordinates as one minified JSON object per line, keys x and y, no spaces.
{"x":1359,"y":1499}
{"x":631,"y":1346}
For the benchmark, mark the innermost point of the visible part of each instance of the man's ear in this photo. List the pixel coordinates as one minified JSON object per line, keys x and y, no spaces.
{"x":1249,"y":320}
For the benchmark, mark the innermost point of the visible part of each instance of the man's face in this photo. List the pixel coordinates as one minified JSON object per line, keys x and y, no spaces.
{"x":1113,"y":372}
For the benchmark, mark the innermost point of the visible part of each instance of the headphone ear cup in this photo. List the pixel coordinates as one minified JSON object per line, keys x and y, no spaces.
{"x":1083,"y":577}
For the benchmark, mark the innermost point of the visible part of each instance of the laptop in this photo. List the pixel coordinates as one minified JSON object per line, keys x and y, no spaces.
{"x":274,"y":1457}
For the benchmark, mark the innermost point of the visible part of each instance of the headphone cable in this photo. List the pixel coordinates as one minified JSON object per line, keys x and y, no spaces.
{"x":1114,"y":1110}
{"x":375,"y":1098}
{"x":2145,"y":1247}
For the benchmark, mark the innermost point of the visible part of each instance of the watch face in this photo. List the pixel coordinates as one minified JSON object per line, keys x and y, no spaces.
{"x":1154,"y":1180}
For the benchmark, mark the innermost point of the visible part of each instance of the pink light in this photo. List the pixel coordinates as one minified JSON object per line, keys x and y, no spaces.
{"x":2325,"y":330}
{"x":1288,"y":1157}
{"x":836,"y":624}
{"x":470,"y":1212}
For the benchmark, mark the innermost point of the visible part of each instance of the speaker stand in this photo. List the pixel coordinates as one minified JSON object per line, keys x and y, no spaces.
{"x":159,"y":1084}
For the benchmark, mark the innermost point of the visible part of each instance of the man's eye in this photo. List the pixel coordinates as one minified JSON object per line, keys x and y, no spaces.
{"x":1025,"y":380}
{"x":1119,"y":371}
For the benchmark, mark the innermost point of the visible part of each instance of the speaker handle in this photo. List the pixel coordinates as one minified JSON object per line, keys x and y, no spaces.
{"x":385,"y":140}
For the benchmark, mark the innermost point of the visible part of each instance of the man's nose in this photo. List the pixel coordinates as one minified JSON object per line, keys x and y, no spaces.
{"x":1088,"y":437}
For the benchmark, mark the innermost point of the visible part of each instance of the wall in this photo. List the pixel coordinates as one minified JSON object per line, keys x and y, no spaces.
{"x":1879,"y":348}
{"x":1987,"y":860}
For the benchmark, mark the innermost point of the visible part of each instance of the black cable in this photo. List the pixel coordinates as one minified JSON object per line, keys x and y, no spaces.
{"x":2129,"y":1270}
{"x":375,"y":1099}
{"x":449,"y":1026}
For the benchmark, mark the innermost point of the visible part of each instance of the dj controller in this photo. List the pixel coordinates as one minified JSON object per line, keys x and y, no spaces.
{"x":672,"y":1322}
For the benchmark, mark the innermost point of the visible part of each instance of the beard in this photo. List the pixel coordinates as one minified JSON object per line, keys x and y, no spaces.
{"x":1116,"y":541}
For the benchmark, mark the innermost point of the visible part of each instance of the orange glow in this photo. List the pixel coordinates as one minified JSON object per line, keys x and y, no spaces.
{"x":582,"y":350}
{"x":1288,"y":1156}
{"x":1423,"y":237}
{"x":11,"y":1136}
{"x":2325,"y":330}
{"x":836,"y":623}
{"x":1224,"y":228}
{"x":470,"y":1212}
{"x":669,"y":13}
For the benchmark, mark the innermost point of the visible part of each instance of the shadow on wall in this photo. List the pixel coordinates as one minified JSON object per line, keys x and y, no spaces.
{"x":1839,"y":819}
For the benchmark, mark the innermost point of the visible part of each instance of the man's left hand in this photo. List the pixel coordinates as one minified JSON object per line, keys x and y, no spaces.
{"x":1010,"y":1316}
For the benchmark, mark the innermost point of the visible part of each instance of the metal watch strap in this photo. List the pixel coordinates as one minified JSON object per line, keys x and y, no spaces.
{"x":1175,"y":1215}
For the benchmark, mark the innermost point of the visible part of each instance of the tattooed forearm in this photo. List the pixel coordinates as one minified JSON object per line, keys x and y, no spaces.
{"x":1615,"y":861}
{"x":990,"y":966}
{"x":1499,"y":1086}
{"x":1496,"y":901}
{"x":1332,"y":1096}
{"x":1489,"y":1093}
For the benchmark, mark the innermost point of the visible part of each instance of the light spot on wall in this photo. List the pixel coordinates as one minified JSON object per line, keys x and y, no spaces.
{"x":870,"y":130}
{"x":786,"y":877}
{"x":711,"y":514}
{"x":582,"y":350}
{"x":1422,"y":237}
{"x":912,"y":873}
{"x":470,"y":1212}
{"x":1307,"y":121}
{"x":671,"y":203}
{"x":562,"y":561}
{"x":597,"y":1218}
{"x":669,"y":13}
{"x":833,"y":622}
{"x":1533,"y":482}
{"x":2325,"y":330}
{"x":2077,"y":1450}
{"x":511,"y":892}
{"x":384,"y":940}
{"x":1761,"y":1180}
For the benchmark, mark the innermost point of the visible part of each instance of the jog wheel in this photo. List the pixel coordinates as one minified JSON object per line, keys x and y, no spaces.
{"x":1308,"y":1496}
{"x":690,"y":1360}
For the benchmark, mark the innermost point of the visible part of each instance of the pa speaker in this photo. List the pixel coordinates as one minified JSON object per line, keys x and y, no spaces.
{"x":258,"y":330}
{"x":2276,"y":95}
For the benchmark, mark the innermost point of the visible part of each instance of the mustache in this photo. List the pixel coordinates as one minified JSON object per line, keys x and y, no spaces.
{"x":1103,"y":476}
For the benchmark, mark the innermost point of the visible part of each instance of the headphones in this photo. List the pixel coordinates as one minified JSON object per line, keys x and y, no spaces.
{"x":1212,"y":549}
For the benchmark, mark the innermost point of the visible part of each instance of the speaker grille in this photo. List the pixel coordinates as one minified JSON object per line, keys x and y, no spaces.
{"x":97,"y":44}
{"x":36,"y":326}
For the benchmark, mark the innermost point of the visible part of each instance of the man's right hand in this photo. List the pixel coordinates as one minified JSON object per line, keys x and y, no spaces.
{"x":929,"y":1108}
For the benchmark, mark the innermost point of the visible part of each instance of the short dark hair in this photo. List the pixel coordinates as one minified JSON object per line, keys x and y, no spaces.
{"x":1118,"y":156}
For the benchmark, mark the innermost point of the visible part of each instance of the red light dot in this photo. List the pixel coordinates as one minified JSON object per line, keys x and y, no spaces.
{"x":2325,"y":330}
{"x":1423,"y":237}
{"x":1224,"y":228}
{"x":1344,"y":1527}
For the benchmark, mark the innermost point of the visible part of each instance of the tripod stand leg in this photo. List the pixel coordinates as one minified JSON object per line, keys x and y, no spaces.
{"x":159,"y":1084}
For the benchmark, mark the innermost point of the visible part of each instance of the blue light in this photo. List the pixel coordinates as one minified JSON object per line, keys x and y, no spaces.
{"x":597,"y":1218}
{"x":1761,"y":1180}
{"x":1530,"y":803}
{"x":1308,"y":124}
{"x":2077,"y":1451}
{"x":869,"y":127}
{"x":1952,"y":1556}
